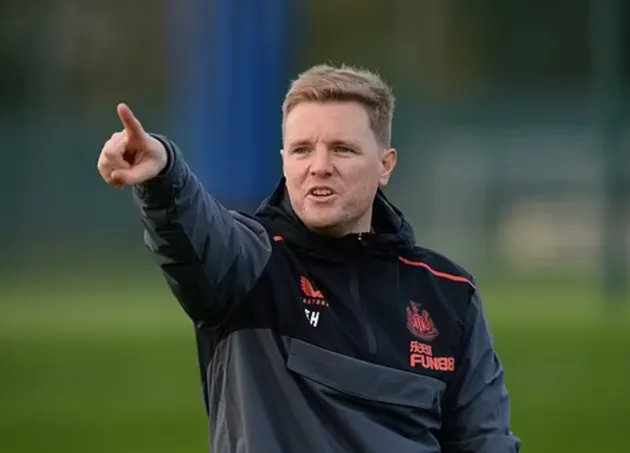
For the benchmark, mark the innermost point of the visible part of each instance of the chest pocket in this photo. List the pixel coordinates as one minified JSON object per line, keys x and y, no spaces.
{"x":378,"y":396}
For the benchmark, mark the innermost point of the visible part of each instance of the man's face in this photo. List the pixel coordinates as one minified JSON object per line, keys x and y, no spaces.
{"x":333,"y":166}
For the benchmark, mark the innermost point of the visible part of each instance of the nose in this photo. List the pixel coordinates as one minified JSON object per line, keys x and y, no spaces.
{"x":321,"y":164}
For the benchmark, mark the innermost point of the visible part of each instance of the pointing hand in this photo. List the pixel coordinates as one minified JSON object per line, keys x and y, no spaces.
{"x":131,"y":156}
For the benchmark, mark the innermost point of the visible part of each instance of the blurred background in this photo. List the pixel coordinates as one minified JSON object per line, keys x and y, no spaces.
{"x":512,"y":130}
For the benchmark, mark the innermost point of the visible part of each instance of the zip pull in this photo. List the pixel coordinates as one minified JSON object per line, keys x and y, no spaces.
{"x":361,"y":240}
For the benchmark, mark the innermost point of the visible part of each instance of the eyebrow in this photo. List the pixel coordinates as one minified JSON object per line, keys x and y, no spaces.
{"x":299,"y":143}
{"x":330,"y":143}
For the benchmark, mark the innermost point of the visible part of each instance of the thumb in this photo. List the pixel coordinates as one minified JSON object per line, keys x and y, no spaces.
{"x":132,"y":126}
{"x":134,"y":175}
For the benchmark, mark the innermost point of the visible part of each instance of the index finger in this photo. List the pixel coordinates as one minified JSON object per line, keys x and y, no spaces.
{"x":130,"y":122}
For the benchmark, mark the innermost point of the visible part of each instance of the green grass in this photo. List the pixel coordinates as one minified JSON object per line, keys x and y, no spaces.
{"x":104,"y":368}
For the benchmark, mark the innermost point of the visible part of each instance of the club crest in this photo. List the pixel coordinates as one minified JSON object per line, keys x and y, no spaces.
{"x":419,"y":322}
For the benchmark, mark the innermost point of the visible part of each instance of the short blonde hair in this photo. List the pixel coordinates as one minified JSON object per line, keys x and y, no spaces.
{"x":324,"y":83}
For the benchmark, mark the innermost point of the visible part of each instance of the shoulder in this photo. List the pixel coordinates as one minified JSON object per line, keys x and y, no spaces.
{"x":251,"y":221}
{"x":439,"y":266}
{"x":448,"y":280}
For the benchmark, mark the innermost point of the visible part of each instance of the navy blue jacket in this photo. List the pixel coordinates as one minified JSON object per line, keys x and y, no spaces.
{"x":363,"y":344}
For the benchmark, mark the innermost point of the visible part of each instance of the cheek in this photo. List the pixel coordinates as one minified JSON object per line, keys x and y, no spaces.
{"x":294,"y":175}
{"x":294,"y":184}
{"x":365,"y":178}
{"x":363,"y":183}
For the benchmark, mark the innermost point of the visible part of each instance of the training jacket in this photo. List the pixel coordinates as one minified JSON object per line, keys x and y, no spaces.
{"x":312,"y":344}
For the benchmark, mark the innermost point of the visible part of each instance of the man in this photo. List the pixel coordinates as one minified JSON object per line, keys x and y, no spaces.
{"x":321,"y":326}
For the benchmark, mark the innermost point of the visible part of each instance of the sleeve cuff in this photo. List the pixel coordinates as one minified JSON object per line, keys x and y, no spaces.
{"x":171,"y":179}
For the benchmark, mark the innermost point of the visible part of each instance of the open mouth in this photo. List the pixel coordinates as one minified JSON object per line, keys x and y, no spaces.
{"x":321,"y":193}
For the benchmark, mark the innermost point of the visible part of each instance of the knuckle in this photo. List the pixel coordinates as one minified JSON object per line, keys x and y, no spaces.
{"x":104,"y":165}
{"x":111,"y":151}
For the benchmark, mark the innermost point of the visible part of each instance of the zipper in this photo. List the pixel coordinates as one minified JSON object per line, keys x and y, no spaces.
{"x":356,"y":296}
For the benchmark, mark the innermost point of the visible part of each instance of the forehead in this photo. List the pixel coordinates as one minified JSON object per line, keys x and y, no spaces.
{"x":327,"y":120}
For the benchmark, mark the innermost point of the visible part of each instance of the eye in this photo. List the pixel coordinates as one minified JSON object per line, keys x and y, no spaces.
{"x":344,"y":150}
{"x":300,"y":150}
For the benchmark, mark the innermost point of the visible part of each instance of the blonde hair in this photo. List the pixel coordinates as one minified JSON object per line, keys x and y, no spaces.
{"x":324,"y":83}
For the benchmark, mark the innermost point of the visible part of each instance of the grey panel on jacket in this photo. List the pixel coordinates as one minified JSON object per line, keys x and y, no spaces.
{"x":329,"y":402}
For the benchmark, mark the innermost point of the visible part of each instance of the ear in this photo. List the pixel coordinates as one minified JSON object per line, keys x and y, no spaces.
{"x":284,"y":172}
{"x":388,"y":163}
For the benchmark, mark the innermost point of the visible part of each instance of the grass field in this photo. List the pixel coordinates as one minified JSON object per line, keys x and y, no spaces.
{"x":103,"y":368}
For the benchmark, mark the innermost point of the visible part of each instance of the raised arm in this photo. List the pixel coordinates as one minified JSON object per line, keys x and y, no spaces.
{"x":211,"y":257}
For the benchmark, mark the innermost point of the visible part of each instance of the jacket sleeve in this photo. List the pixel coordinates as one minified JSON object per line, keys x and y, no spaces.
{"x":211,"y":257}
{"x":476,"y":416}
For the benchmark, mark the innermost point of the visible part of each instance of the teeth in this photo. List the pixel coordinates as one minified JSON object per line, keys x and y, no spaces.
{"x":321,"y":192}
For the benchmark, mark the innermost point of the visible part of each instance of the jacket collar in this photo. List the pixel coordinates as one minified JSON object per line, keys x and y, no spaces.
{"x":391,"y":234}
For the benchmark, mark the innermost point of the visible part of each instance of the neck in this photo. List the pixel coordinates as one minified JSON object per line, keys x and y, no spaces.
{"x":360,"y":226}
